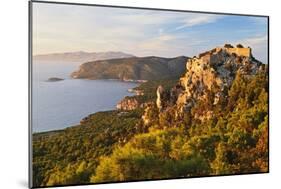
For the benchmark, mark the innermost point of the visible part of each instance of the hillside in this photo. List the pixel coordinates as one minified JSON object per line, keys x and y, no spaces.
{"x":133,"y":68}
{"x":81,"y":56}
{"x":206,"y":122}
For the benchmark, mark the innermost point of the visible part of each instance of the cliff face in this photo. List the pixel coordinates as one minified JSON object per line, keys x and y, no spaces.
{"x":128,"y":103}
{"x":133,"y":68}
{"x":209,"y":74}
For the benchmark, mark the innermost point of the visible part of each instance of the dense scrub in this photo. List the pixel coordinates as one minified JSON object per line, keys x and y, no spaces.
{"x":189,"y":147}
{"x":71,"y":155}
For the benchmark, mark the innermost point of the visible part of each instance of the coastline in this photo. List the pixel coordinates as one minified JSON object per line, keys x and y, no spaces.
{"x":130,"y":90}
{"x":122,"y":80}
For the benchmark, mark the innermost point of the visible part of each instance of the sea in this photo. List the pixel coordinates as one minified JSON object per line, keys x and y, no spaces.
{"x":60,"y":104}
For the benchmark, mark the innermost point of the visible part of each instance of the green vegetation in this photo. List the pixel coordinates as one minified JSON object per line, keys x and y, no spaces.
{"x":148,"y":88}
{"x":220,"y":145}
{"x":118,"y":146}
{"x":153,"y":155}
{"x":133,"y":68}
{"x":71,"y":155}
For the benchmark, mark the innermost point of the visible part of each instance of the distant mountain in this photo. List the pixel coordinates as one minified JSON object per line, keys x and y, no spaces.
{"x":82,"y":56}
{"x":133,"y":68}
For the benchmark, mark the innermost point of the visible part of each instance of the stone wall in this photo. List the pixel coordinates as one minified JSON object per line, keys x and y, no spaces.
{"x":240,"y":51}
{"x":214,"y":56}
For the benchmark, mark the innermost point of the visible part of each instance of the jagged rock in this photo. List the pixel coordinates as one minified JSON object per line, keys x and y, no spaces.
{"x":145,"y":116}
{"x":174,"y":93}
{"x":159,"y":94}
{"x":212,"y":72}
{"x":128,"y":104}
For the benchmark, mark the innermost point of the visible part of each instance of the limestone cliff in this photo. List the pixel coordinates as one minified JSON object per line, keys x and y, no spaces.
{"x":128,"y":103}
{"x":209,"y":74}
{"x":159,"y":94}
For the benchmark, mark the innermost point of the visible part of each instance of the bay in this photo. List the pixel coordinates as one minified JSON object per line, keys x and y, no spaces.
{"x":60,"y":104}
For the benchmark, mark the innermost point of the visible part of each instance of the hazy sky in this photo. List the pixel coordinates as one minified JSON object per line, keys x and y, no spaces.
{"x":65,"y":28}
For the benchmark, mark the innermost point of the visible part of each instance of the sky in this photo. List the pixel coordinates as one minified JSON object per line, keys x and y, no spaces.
{"x":69,"y":28}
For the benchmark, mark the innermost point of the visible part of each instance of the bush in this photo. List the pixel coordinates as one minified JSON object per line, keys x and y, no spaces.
{"x":239,"y":46}
{"x":228,"y":46}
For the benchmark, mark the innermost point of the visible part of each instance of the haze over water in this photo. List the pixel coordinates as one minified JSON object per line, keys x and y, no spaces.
{"x":57,"y":105}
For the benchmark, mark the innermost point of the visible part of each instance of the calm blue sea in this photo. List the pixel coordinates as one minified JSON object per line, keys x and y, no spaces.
{"x":57,"y":105}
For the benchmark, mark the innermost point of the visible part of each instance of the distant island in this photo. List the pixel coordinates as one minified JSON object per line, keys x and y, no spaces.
{"x":132,"y":68}
{"x":81,"y":56}
{"x":53,"y":79}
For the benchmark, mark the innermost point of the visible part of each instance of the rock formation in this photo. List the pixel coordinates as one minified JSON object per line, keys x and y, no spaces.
{"x":212,"y":72}
{"x":128,"y":103}
{"x":145,"y":117}
{"x":159,"y":101}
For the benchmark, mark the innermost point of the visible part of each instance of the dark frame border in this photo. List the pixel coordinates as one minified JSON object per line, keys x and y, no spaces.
{"x":30,"y":63}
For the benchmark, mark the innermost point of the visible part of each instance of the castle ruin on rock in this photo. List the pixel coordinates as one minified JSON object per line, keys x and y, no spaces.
{"x":212,"y":72}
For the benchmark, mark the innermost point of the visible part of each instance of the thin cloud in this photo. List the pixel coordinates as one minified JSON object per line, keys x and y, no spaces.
{"x":257,"y":40}
{"x":139,"y":32}
{"x":198,"y":20}
{"x":258,"y":45}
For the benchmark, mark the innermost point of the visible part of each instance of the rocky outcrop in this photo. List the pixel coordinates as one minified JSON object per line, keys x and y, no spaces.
{"x":210,"y":74}
{"x":159,"y":100}
{"x":145,"y":117}
{"x":128,"y":103}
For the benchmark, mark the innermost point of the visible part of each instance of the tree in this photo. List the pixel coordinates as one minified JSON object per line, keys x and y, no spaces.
{"x":239,"y":46}
{"x":228,"y":46}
